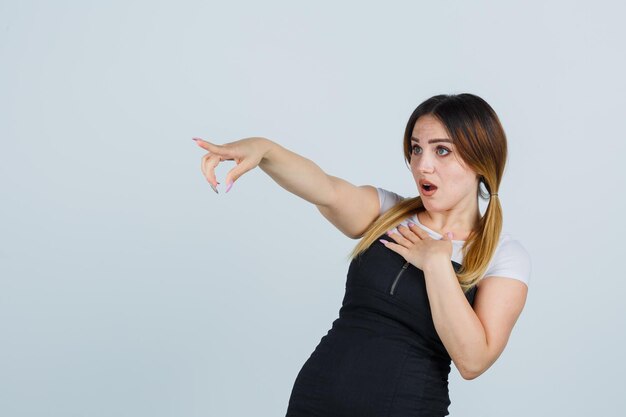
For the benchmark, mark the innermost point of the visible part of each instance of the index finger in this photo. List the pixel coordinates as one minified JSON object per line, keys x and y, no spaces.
{"x":206,"y":144}
{"x":225,"y":153}
{"x":203,"y":143}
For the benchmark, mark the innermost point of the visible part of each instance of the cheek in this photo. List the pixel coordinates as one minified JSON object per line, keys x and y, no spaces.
{"x":464,"y":184}
{"x":459,"y":181}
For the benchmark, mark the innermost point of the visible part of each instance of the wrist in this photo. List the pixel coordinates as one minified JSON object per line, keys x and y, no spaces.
{"x":268,"y":146}
{"x":436,"y":262}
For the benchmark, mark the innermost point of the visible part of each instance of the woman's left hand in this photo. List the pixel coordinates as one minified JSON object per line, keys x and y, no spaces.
{"x":417,"y":247}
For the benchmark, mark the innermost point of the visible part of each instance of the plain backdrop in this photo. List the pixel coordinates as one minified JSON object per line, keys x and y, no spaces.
{"x":129,"y":288}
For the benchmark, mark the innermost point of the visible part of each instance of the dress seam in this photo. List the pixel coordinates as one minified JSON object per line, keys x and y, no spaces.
{"x":395,"y":388}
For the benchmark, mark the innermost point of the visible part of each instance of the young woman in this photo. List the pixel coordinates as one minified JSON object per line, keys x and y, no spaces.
{"x":432,"y":281}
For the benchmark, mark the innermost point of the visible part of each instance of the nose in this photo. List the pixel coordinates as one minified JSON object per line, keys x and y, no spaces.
{"x":424,"y":163}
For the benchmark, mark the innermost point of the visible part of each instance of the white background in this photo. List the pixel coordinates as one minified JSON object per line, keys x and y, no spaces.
{"x":129,"y":288}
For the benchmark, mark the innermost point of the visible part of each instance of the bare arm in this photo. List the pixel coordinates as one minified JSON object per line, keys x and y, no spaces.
{"x":298,"y":175}
{"x":348,"y":207}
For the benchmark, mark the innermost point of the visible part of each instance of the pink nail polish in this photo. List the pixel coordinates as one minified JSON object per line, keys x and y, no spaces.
{"x":230,"y":184}
{"x":383,"y":241}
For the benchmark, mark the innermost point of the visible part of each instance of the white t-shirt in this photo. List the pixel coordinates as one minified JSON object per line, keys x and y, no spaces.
{"x":511,"y":260}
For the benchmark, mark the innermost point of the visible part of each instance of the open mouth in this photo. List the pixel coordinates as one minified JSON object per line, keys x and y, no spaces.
{"x":426,"y":187}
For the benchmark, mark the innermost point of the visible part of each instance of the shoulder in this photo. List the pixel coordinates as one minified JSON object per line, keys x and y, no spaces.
{"x":510,"y":260}
{"x":387,"y":199}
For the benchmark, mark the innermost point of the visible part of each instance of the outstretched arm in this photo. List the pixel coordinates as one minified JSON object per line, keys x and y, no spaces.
{"x":350,"y":208}
{"x":298,"y":175}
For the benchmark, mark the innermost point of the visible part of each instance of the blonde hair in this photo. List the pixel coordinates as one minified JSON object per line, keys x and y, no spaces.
{"x":481,"y":143}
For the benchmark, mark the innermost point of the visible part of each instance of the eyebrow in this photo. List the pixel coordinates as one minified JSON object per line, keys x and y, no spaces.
{"x":413,"y":139}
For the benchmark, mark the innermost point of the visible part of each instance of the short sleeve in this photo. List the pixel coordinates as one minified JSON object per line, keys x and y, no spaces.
{"x":387,"y":199}
{"x":511,"y":260}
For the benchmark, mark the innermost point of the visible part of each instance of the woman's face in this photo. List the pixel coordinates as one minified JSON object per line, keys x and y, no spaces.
{"x":440,"y":164}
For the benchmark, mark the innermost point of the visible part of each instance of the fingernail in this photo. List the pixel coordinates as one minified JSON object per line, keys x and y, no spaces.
{"x":196,"y":139}
{"x":214,"y":188}
{"x":230,"y":184}
{"x":383,"y":241}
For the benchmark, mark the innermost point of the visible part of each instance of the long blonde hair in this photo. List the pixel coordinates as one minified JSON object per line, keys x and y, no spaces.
{"x":481,"y":143}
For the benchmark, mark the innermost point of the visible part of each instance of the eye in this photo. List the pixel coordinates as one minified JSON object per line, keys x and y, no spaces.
{"x":438,"y":149}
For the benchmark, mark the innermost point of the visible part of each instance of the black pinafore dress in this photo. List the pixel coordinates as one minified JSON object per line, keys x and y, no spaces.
{"x":382,"y":357}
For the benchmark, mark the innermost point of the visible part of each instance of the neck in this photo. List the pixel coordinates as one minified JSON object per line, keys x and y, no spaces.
{"x":460,"y":223}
